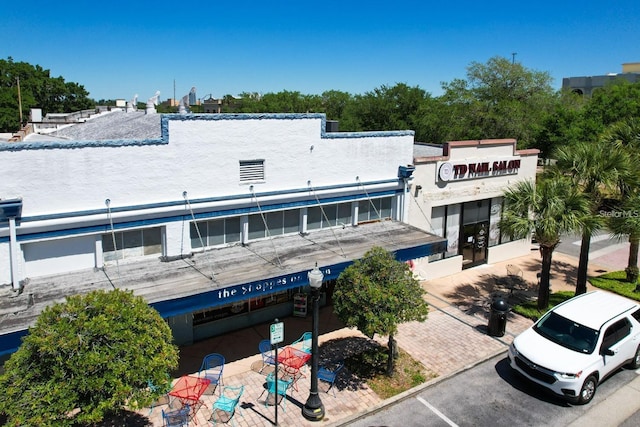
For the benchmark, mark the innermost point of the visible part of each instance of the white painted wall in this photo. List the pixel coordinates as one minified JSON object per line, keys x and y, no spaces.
{"x":200,"y":156}
{"x":435,"y":192}
{"x":5,"y":265}
{"x":55,"y":256}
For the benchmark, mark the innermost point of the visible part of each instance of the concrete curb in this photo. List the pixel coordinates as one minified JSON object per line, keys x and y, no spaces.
{"x":614,"y":410}
{"x":414,"y":391}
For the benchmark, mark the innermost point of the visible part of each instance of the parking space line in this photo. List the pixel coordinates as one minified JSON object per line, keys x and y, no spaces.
{"x":438,"y":413}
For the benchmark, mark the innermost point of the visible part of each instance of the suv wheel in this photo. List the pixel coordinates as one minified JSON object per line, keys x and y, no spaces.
{"x":588,"y":390}
{"x":635,"y":362}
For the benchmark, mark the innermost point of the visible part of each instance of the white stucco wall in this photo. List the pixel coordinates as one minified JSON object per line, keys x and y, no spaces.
{"x":437,"y":193}
{"x":65,"y":185}
{"x":201,"y":157}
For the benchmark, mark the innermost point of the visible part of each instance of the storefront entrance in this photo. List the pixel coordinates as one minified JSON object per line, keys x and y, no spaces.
{"x":475,"y":233}
{"x":474,"y":248}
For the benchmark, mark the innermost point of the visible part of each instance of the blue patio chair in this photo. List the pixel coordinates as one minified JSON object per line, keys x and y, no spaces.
{"x":177,"y":417}
{"x":226,"y":404}
{"x":329,"y":375}
{"x":305,"y":339}
{"x":283,"y":386}
{"x":268,"y":357}
{"x":211,"y":369}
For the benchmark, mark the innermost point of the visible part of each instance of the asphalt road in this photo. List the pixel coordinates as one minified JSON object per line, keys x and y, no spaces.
{"x":490,"y":394}
{"x":600,"y":244}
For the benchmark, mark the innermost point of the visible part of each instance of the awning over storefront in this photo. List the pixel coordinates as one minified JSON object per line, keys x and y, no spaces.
{"x":222,"y":276}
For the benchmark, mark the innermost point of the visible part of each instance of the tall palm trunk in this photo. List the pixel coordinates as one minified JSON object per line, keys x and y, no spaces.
{"x":632,"y":264}
{"x":545,"y":277}
{"x":583,"y":264}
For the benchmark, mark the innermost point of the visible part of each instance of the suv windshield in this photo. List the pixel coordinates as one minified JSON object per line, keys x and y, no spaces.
{"x":567,"y":333}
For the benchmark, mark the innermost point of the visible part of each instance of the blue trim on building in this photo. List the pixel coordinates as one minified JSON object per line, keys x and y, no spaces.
{"x":106,"y":227}
{"x":164,"y":127}
{"x":10,"y":342}
{"x":231,"y":294}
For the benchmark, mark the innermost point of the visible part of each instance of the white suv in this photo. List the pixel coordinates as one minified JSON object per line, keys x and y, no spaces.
{"x":578,"y":343}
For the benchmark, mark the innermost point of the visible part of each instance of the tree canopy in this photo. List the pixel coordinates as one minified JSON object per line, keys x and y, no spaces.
{"x":37,"y":90}
{"x":87,"y":358}
{"x":377,"y":293}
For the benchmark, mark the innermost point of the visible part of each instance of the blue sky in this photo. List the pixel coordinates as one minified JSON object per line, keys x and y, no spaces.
{"x":117,"y":49}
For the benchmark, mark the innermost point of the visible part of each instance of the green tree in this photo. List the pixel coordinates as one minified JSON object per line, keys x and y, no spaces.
{"x":563,"y":124}
{"x":377,"y":293}
{"x":386,"y":108}
{"x":334,"y":103}
{"x":626,"y":135}
{"x":548,"y":209}
{"x":86,"y":358}
{"x":596,"y":169}
{"x":499,"y":99}
{"x":616,"y":101}
{"x":37,"y":90}
{"x":624,"y":221}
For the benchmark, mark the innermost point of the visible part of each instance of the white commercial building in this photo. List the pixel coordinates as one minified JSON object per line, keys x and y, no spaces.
{"x":214,"y":219}
{"x":457,"y":194}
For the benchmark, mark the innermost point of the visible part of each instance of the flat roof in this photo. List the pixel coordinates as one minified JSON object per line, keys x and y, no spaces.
{"x":222,"y":275}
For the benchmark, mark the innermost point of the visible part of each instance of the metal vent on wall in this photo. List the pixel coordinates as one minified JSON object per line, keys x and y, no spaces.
{"x":251,"y":170}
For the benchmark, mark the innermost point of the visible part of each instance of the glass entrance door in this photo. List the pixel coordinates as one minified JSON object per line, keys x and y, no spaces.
{"x":474,"y":247}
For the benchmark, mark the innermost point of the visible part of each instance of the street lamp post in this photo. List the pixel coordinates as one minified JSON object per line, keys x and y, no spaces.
{"x":313,"y":409}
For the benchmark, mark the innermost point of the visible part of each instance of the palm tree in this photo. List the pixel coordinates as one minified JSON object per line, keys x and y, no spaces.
{"x":595,"y":168}
{"x":626,"y":134}
{"x":626,"y":222}
{"x":548,"y":209}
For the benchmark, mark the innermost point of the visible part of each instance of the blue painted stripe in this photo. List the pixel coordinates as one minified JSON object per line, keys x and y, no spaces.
{"x":9,"y":343}
{"x":106,"y":227}
{"x":196,"y":201}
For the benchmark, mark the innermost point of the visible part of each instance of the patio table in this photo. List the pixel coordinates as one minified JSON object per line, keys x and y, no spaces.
{"x":292,"y":360}
{"x":188,"y":390}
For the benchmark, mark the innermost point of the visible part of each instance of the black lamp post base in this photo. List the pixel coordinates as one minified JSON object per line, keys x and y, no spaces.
{"x":313,"y":409}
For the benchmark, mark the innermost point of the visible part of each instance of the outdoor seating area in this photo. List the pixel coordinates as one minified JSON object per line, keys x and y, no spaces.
{"x":247,"y":391}
{"x":204,"y":397}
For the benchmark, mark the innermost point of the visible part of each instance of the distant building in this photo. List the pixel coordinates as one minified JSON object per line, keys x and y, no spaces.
{"x":586,"y":84}
{"x":192,"y":97}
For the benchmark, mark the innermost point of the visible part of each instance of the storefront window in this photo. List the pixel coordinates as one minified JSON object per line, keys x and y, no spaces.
{"x":132,"y":244}
{"x":215,"y":232}
{"x":241,"y":307}
{"x":453,"y":230}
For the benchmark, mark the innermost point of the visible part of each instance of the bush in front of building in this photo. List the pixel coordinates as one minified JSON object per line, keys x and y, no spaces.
{"x":377,"y":293}
{"x":87,"y":358}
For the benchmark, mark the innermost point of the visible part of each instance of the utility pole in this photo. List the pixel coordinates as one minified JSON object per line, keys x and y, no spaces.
{"x":19,"y":102}
{"x":513,"y":57}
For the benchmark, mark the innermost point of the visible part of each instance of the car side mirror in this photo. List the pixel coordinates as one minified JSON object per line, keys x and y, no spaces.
{"x":608,"y":352}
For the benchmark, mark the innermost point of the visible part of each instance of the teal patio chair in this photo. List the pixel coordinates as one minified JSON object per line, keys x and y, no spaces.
{"x":281,"y":391}
{"x":305,"y":339}
{"x":225,"y":407}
